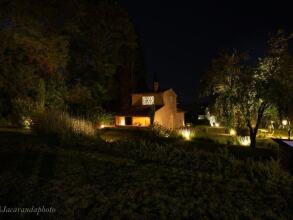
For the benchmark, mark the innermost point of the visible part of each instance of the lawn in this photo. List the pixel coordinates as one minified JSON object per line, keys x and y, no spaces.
{"x":142,"y":180}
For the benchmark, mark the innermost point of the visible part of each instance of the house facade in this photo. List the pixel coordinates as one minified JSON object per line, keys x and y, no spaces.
{"x":162,"y":104}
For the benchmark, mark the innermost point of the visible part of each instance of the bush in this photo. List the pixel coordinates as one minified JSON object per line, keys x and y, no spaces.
{"x":101,"y":117}
{"x":62,"y":126}
{"x":22,"y":108}
{"x":161,"y":131}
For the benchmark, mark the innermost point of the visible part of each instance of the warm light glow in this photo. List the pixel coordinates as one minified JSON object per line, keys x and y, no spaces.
{"x":84,"y":127}
{"x":212,"y":120}
{"x":102,"y":126}
{"x":217,"y":124}
{"x":186,"y":134}
{"x":148,"y":100}
{"x":232,"y":132}
{"x":141,"y":121}
{"x":27,"y":122}
{"x":120,"y":121}
{"x":284,"y":122}
{"x":244,"y":141}
{"x":200,"y":117}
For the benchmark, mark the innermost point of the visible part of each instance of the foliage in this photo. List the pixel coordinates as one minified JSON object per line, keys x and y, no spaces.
{"x":105,"y":54}
{"x":62,"y":126}
{"x":142,"y":180}
{"x":68,"y":55}
{"x":101,"y":117}
{"x":41,"y":99}
{"x":158,"y":130}
{"x":280,"y":62}
{"x":22,"y":108}
{"x":28,"y":58}
{"x":245,"y":94}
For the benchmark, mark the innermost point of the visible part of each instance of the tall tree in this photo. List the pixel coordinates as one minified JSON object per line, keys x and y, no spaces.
{"x":243,"y":93}
{"x":72,"y":46}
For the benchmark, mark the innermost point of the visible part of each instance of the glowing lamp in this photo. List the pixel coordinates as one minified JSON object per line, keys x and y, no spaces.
{"x":284,"y":122}
{"x":244,"y":141}
{"x":217,"y":124}
{"x":27,"y":122}
{"x":232,"y":132}
{"x":186,"y":134}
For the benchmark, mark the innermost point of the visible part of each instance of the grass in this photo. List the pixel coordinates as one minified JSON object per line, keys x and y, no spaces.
{"x":142,"y":180}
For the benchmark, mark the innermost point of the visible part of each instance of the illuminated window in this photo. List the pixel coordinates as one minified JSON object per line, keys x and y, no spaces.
{"x":148,"y":100}
{"x":120,"y":121}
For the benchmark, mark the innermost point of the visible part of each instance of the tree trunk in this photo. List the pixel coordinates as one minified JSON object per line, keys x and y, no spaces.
{"x":252,"y":135}
{"x":253,"y":130}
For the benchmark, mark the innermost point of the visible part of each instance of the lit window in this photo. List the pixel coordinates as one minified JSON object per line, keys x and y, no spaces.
{"x":148,"y":100}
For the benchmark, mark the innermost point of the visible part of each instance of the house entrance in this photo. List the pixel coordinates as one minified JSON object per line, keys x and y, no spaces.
{"x":128,"y":121}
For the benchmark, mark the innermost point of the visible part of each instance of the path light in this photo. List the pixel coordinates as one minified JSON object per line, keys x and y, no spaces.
{"x":284,"y":122}
{"x":232,"y":132}
{"x":102,"y":126}
{"x":212,"y":120}
{"x":217,"y":124}
{"x":244,"y":140}
{"x":27,"y":122}
{"x":186,"y":134}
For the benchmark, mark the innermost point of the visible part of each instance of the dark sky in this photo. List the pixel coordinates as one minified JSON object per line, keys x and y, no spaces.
{"x":181,"y":37}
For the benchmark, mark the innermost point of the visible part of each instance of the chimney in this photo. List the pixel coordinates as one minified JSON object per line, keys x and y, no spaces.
{"x":156,"y":86}
{"x":155,"y":83}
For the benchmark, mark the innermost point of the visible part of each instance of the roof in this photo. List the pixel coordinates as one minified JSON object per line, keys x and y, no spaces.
{"x":152,"y":91}
{"x":138,"y":111}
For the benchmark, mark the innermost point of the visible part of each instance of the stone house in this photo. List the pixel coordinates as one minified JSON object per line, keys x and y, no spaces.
{"x":162,"y":104}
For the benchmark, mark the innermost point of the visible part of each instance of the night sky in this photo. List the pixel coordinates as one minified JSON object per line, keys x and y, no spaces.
{"x":180,"y":38}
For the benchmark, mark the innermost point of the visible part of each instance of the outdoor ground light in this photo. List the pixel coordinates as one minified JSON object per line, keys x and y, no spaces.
{"x":232,"y":132}
{"x":27,"y":122}
{"x":186,"y":134}
{"x":244,"y":140}
{"x":284,"y":122}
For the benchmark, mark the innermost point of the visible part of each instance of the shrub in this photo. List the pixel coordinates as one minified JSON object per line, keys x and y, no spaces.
{"x":22,"y":108}
{"x":188,"y":133}
{"x":161,"y":131}
{"x":61,"y":125}
{"x":101,"y":117}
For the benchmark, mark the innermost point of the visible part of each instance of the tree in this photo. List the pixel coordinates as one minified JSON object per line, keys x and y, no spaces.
{"x":105,"y":54}
{"x":244,"y":94}
{"x":28,"y":56}
{"x":221,"y":84}
{"x":279,"y":64}
{"x":68,"y":45}
{"x":41,"y":96}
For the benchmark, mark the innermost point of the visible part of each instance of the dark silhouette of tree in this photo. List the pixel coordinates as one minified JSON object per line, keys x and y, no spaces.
{"x":72,"y":46}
